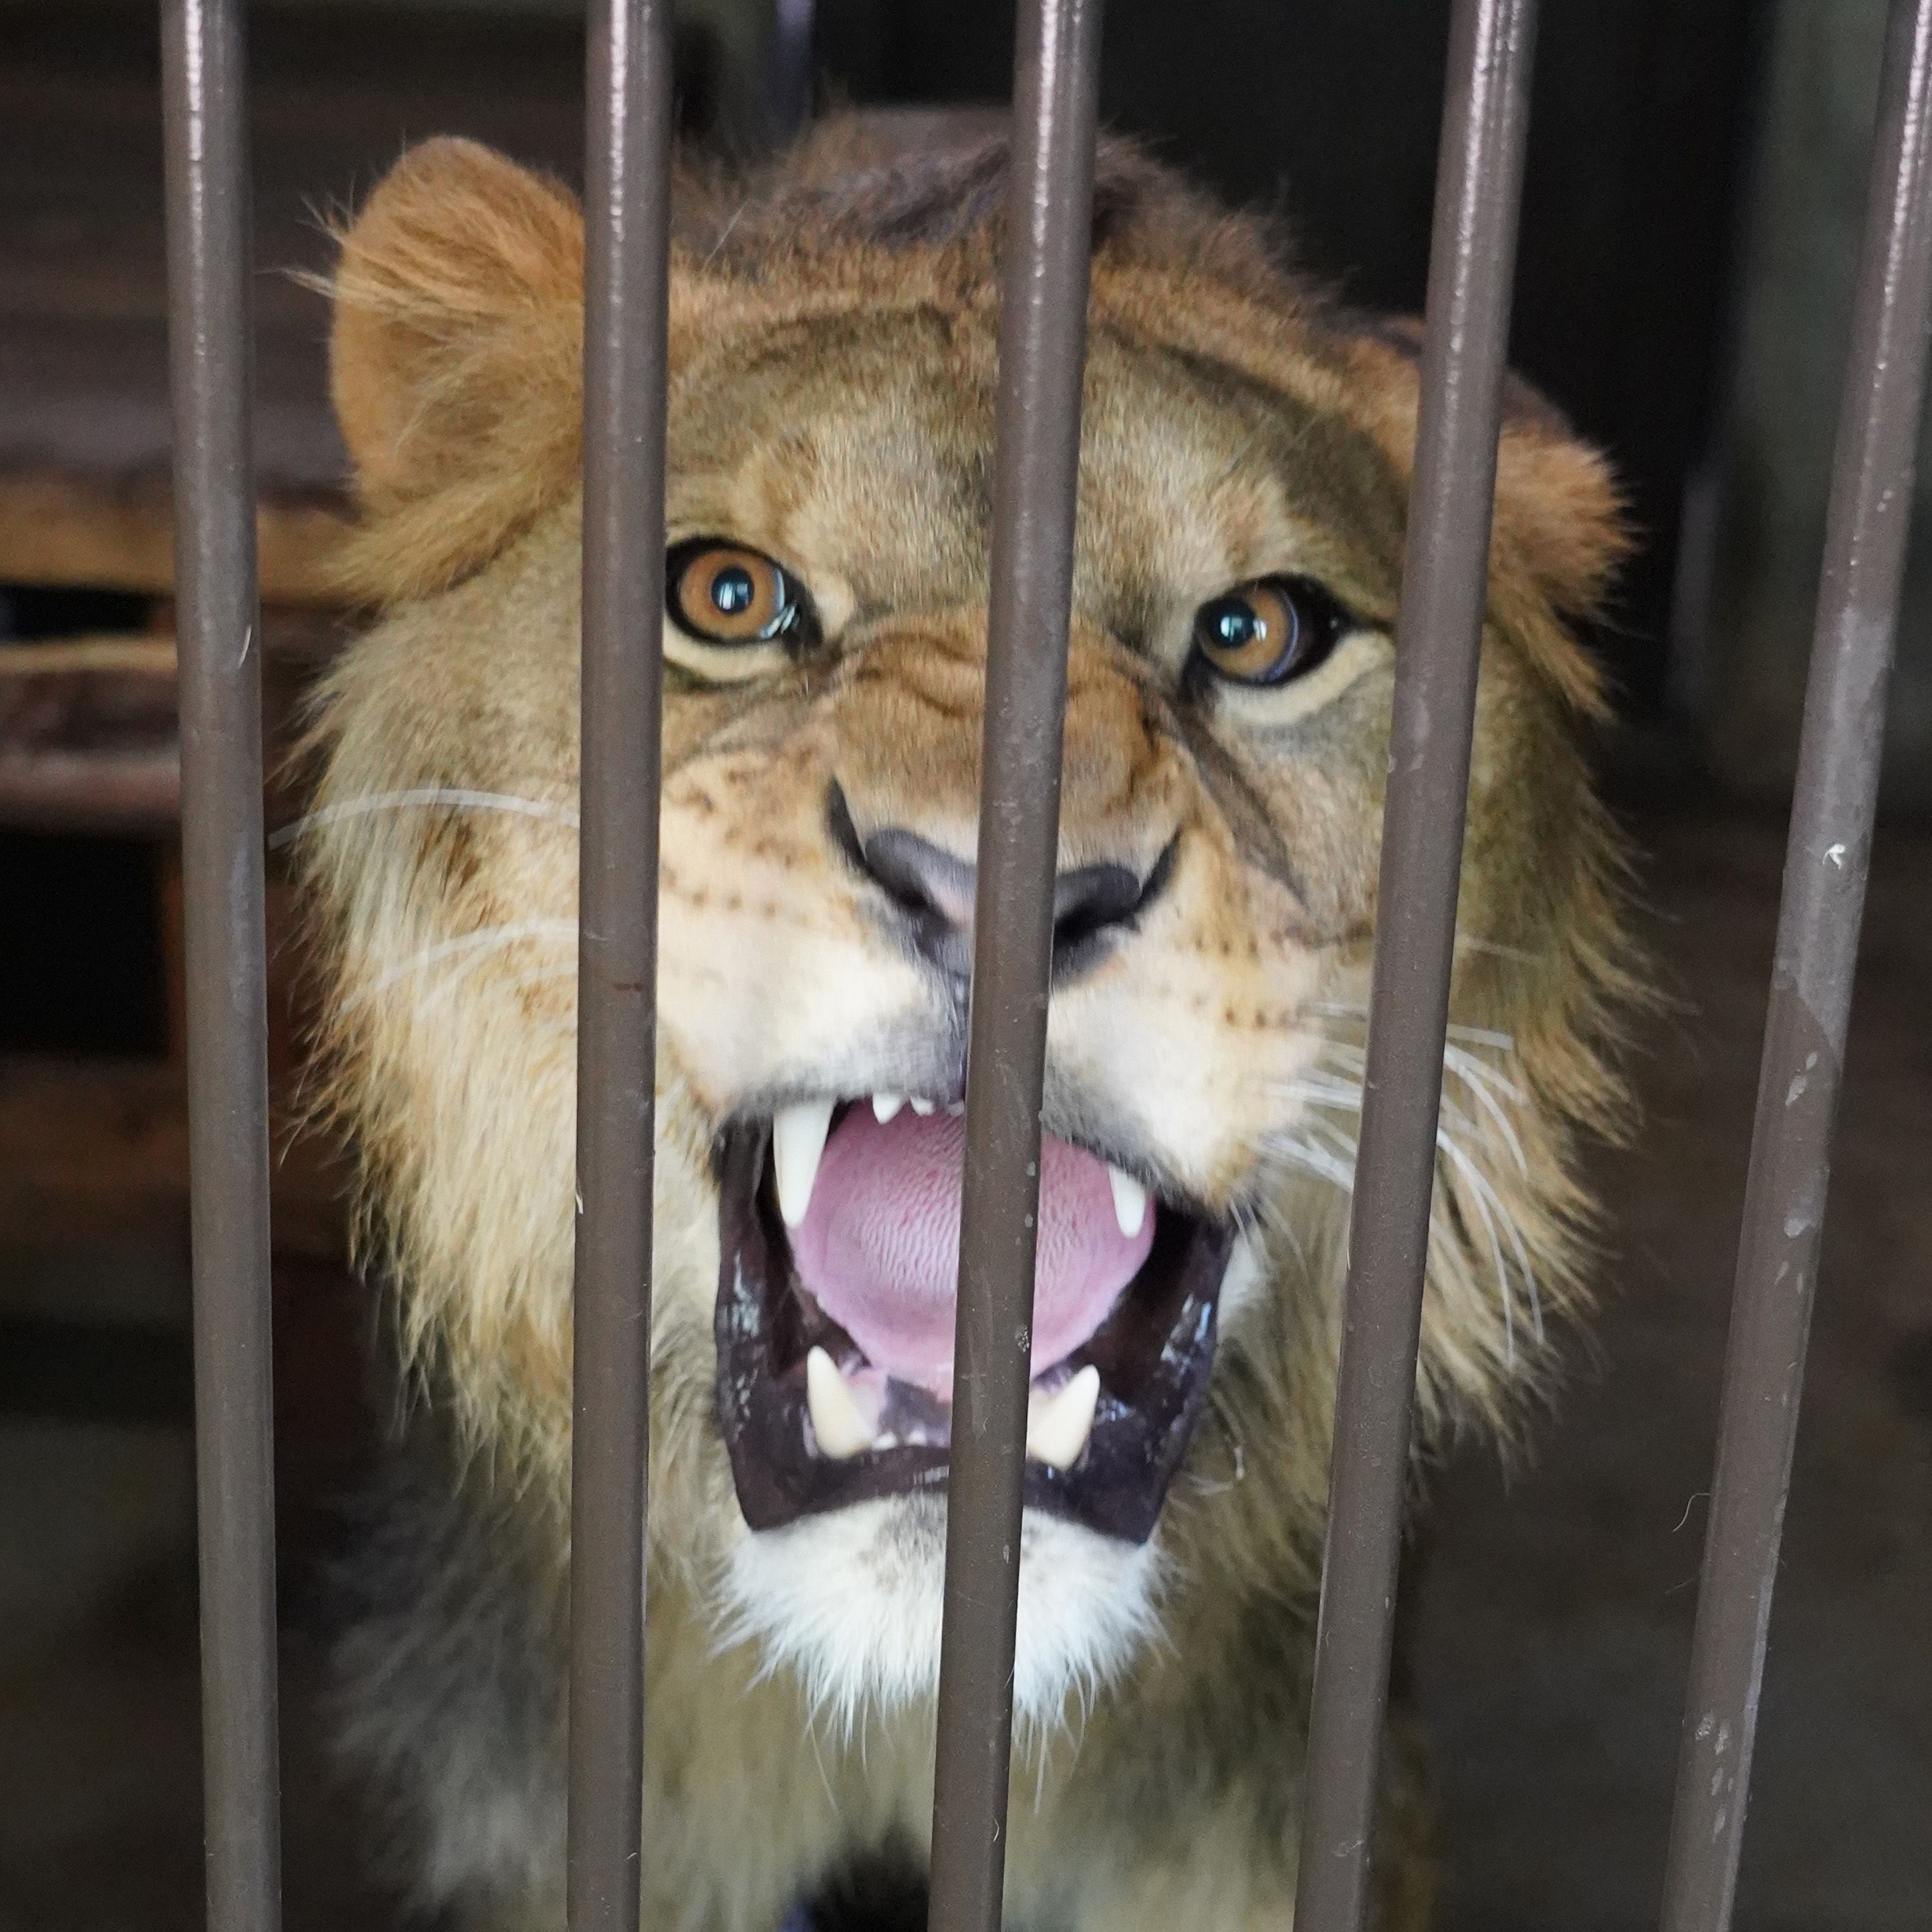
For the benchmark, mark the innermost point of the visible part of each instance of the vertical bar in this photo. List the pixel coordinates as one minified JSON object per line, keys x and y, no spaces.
{"x":1825,"y":870}
{"x":627,"y":217}
{"x":1438,"y":638}
{"x":791,"y":75}
{"x":1036,"y":463}
{"x":211,"y":377}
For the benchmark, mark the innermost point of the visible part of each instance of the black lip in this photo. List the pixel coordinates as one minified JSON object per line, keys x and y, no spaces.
{"x":1154,"y":1353}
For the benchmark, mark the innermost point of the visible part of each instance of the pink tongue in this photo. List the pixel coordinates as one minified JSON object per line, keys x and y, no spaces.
{"x":879,"y":1246}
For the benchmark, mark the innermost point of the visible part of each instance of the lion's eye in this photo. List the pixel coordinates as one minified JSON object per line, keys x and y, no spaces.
{"x":1267,"y":632}
{"x":727,"y":595}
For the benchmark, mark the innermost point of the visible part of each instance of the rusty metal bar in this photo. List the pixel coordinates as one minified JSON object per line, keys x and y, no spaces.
{"x":1825,"y":869}
{"x":626,"y":297}
{"x":210,"y":338}
{"x":1036,"y":463}
{"x":1439,"y":637}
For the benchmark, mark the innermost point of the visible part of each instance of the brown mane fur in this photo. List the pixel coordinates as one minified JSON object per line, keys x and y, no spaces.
{"x":464,"y":412}
{"x":832,"y":344}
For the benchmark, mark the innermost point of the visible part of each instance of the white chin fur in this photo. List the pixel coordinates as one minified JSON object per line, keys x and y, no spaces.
{"x":850,"y":1603}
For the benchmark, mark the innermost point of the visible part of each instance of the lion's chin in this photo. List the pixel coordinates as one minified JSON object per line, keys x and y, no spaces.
{"x":849,"y":1603}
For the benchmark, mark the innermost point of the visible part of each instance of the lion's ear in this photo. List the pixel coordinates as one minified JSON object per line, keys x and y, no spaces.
{"x":456,"y":355}
{"x":1560,"y":515}
{"x":1558,"y":504}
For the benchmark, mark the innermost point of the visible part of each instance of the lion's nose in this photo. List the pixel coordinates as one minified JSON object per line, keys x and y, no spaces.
{"x":931,"y":890}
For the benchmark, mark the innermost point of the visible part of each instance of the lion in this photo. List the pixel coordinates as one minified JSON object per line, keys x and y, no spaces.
{"x":1245,"y":463}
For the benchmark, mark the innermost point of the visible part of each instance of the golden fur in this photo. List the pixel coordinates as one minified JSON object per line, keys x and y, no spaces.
{"x":833,"y":353}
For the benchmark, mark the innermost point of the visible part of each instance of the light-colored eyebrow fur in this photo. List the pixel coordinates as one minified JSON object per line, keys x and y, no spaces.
{"x":456,"y":363}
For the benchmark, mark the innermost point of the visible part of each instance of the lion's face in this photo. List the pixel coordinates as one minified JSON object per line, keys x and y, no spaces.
{"x":1243,"y":483}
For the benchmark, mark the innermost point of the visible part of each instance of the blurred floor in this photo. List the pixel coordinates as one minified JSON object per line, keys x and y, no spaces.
{"x":1553,"y":1617}
{"x":1554,"y":1627}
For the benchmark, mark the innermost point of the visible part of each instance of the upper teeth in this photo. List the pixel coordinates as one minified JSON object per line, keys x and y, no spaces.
{"x":841,"y":1431}
{"x":798,"y":1143}
{"x":798,"y":1140}
{"x":1058,"y":1425}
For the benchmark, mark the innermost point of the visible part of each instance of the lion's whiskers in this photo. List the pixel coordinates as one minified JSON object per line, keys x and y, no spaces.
{"x":450,"y":798}
{"x":1355,"y":1012}
{"x":482,"y":944}
{"x":1319,"y":1144}
{"x":1522,"y":954}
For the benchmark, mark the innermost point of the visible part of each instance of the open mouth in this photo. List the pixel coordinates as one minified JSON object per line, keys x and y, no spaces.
{"x":839,"y":1225}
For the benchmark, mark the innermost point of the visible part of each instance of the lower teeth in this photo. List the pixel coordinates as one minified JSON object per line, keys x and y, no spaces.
{"x":1058,"y":1425}
{"x":841,"y":1431}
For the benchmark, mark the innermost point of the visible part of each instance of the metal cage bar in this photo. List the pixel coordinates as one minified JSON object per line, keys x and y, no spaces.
{"x":1825,"y":863}
{"x":210,"y":341}
{"x":1438,"y":638}
{"x":1036,"y":481}
{"x":626,"y":302}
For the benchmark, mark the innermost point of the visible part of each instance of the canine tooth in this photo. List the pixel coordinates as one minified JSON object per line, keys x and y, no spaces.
{"x":1129,"y":1201}
{"x":923,"y":1108}
{"x":956,"y":1107}
{"x":836,"y":1420}
{"x":1058,"y":1425}
{"x":798,"y":1139}
{"x":885,"y":1105}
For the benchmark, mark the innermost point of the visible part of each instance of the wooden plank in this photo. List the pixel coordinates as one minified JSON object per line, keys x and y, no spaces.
{"x":91,"y":1149}
{"x":105,"y":533}
{"x":134,"y":793}
{"x":111,"y":693}
{"x":87,"y":738}
{"x":88,"y":735}
{"x":85,"y":435}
